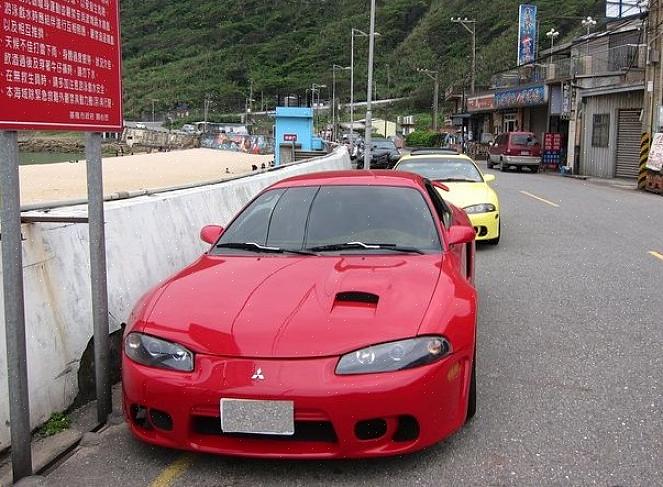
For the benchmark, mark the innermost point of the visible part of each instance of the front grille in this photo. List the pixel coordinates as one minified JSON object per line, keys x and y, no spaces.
{"x":320,"y":431}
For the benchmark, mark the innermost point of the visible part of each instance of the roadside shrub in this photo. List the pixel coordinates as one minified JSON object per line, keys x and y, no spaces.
{"x":424,"y":138}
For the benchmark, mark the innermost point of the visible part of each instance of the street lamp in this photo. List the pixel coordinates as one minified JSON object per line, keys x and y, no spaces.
{"x":552,"y":34}
{"x":588,"y":23}
{"x":436,"y":92}
{"x":359,"y":33}
{"x":334,"y":68}
{"x":470,"y":25}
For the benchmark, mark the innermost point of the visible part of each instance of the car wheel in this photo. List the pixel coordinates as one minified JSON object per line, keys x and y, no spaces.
{"x":535,"y":169}
{"x":503,"y":167}
{"x":472,"y":401}
{"x":496,"y":240}
{"x":489,"y":163}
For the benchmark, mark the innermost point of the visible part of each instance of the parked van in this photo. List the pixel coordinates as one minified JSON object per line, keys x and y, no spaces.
{"x":518,"y":149}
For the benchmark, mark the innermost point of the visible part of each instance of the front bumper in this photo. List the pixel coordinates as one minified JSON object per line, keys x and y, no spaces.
{"x":486,"y":225}
{"x":327,"y":407}
{"x":528,"y":161}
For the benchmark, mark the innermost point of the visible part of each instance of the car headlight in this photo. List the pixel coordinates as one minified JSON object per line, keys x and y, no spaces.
{"x":482,"y":208}
{"x":390,"y":357}
{"x":153,"y":352}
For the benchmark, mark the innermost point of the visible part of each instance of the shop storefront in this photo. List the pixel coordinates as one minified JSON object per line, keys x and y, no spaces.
{"x":522,"y":109}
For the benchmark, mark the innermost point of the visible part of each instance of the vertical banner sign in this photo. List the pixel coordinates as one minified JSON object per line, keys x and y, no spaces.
{"x":527,"y":34}
{"x":60,"y":65}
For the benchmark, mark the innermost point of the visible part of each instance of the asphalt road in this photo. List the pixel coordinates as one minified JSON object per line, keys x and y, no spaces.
{"x":570,"y":363}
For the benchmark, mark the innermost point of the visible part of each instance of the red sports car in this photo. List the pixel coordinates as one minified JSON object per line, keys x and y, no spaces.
{"x":335,"y":317}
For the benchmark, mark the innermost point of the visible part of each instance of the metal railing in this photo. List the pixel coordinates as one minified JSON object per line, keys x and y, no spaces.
{"x":615,"y":60}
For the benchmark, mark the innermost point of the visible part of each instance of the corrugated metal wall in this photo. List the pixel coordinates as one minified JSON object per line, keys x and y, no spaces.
{"x":602,"y":161}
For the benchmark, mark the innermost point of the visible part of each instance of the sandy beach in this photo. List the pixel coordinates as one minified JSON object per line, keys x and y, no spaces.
{"x":65,"y":181}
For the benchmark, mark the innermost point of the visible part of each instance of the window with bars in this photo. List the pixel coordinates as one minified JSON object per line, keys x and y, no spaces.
{"x":601,"y":130}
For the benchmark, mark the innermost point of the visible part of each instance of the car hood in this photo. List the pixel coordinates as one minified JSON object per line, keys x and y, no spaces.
{"x":463,"y":195}
{"x":290,"y":307}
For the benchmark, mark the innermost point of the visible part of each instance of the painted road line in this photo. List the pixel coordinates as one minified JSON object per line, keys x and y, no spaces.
{"x":658,"y":255}
{"x":173,"y":471}
{"x":543,"y":200}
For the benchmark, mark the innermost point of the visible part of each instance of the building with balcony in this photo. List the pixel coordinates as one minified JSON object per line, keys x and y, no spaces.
{"x":589,"y":90}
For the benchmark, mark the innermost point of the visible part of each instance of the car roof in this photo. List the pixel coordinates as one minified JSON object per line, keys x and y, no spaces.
{"x":354,"y":178}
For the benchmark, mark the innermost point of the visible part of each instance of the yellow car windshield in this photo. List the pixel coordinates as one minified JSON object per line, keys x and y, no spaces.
{"x":441,"y":169}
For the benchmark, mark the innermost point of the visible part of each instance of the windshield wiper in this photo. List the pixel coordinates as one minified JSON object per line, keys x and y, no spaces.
{"x":457,"y":180}
{"x":256,"y":247}
{"x":362,"y":245}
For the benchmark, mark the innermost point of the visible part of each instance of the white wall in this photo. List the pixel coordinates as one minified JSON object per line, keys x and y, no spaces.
{"x":148,"y":238}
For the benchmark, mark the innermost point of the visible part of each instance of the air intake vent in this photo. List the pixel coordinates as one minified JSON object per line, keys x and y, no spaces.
{"x":357,"y":297}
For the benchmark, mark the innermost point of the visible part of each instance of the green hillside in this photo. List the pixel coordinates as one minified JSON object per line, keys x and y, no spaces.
{"x":179,"y":51}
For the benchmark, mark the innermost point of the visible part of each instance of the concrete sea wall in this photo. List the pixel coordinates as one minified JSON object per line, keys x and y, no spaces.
{"x":148,"y":238}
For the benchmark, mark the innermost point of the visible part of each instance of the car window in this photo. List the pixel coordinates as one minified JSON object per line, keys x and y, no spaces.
{"x":523,"y":139}
{"x":443,"y":169}
{"x":443,"y":211}
{"x":288,"y":222}
{"x":372,"y":214}
{"x":384,"y":144}
{"x":252,"y":224}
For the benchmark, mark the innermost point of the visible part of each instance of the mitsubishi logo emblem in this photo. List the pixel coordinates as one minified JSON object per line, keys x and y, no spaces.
{"x":258,"y":375}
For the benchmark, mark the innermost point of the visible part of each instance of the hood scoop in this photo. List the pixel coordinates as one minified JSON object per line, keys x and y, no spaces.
{"x":359,"y":299}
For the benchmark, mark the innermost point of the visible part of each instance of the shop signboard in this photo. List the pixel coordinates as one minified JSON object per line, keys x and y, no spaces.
{"x":521,"y":97}
{"x":481,"y":103}
{"x":655,"y":161}
{"x":552,"y":149}
{"x":60,"y":65}
{"x":567,"y":101}
{"x":527,"y":34}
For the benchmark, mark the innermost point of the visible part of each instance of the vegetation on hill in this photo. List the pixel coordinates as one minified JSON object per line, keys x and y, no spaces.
{"x":180,"y":52}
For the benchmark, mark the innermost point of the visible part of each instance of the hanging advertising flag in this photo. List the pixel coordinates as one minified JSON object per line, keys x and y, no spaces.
{"x":527,"y":34}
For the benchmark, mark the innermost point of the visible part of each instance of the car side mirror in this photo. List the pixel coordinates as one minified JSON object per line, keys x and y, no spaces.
{"x":489,"y":178}
{"x":461,"y":234}
{"x":211,"y":233}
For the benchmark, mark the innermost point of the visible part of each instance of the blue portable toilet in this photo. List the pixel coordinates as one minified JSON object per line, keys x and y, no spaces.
{"x":294,"y":126}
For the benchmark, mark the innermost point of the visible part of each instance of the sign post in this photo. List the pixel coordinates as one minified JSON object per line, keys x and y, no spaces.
{"x":59,"y":70}
{"x":98,"y":276}
{"x":12,"y":285}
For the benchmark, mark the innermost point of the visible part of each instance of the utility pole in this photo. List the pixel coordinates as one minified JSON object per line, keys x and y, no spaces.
{"x":434,"y":75}
{"x":368,"y":152}
{"x":470,"y":25}
{"x":315,"y":88}
{"x":359,"y":33}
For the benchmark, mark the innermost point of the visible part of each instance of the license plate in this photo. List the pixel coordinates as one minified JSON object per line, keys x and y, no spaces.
{"x":258,"y":417}
{"x":524,"y":153}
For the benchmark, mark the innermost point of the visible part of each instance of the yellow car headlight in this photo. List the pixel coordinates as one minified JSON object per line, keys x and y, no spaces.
{"x":482,"y":208}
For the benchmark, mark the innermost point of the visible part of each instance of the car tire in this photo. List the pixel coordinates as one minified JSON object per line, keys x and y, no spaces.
{"x":472,"y":400}
{"x":535,"y":170}
{"x":503,"y":168}
{"x":489,"y":163}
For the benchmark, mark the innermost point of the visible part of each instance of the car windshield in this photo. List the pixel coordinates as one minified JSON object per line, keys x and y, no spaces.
{"x":384,"y":144}
{"x":524,"y":139}
{"x":347,"y":219}
{"x":443,"y":169}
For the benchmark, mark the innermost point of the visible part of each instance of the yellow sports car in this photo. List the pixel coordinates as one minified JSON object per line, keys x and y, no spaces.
{"x":468,"y":187}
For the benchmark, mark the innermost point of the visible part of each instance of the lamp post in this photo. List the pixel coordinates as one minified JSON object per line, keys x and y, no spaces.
{"x":359,"y":33}
{"x":334,"y":114}
{"x":436,"y":92}
{"x":589,"y":23}
{"x":368,"y":152}
{"x":552,"y":34}
{"x":470,"y":25}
